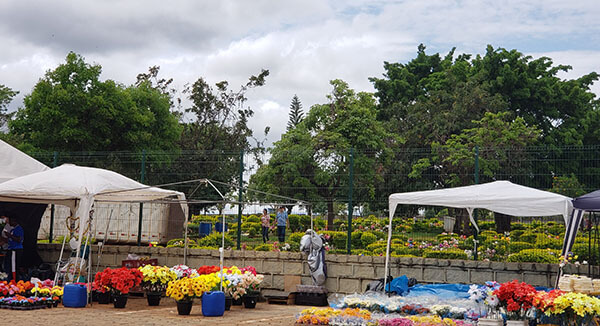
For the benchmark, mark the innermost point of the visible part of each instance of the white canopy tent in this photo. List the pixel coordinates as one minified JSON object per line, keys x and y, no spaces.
{"x":14,"y":163}
{"x":499,"y":196}
{"x":79,"y":187}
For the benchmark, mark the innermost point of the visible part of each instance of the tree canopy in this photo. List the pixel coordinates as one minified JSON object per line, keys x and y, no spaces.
{"x":71,"y":109}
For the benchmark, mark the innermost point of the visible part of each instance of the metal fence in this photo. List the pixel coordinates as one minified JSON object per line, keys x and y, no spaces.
{"x":570,"y":170}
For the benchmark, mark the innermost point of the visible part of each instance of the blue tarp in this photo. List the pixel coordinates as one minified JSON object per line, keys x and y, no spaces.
{"x":443,"y":291}
{"x":399,"y":285}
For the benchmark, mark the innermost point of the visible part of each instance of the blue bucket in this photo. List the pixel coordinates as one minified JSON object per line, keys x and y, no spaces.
{"x":204,"y":229}
{"x":75,"y":296}
{"x":219,"y":227}
{"x":213,"y":303}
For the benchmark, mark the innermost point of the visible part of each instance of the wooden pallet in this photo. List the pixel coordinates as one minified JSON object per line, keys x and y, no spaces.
{"x":277,"y":300}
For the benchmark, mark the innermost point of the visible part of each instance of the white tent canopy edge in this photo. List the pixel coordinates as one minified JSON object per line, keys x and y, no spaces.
{"x":499,"y":196}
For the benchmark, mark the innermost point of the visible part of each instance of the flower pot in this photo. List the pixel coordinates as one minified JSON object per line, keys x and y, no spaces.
{"x":184,"y":307}
{"x":104,"y":298}
{"x":228,"y":302}
{"x":120,"y":300}
{"x":153,"y":298}
{"x":517,"y":323}
{"x":490,"y":322}
{"x":251,"y":299}
{"x":237,"y":302}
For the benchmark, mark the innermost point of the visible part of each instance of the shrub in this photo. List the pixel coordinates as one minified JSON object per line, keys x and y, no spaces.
{"x":445,"y":254}
{"x":581,"y":250}
{"x":375,"y":245}
{"x":407,"y":251}
{"x":515,"y":235}
{"x":518,"y":226}
{"x":517,"y":246}
{"x":501,"y":246}
{"x":356,"y":240}
{"x":337,"y":251}
{"x":294,"y":221}
{"x":542,"y":242}
{"x":487,"y":225}
{"x":446,"y":237}
{"x":555,"y":228}
{"x":179,"y":243}
{"x":367,"y":238}
{"x":361,"y":252}
{"x":528,"y":237}
{"x":263,"y":247}
{"x":296,"y":236}
{"x":253,"y":228}
{"x":337,"y":238}
{"x":379,"y":234}
{"x":534,"y":256}
{"x":294,"y":245}
{"x":252,"y":219}
{"x":214,"y":240}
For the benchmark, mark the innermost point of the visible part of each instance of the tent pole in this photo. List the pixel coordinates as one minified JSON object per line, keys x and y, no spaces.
{"x":387,"y":251}
{"x":185,"y":244}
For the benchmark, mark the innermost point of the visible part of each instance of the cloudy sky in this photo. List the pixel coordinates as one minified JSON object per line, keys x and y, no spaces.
{"x":304,"y":43}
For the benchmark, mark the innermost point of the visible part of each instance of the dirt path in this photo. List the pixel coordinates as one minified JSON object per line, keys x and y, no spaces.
{"x":138,"y":312}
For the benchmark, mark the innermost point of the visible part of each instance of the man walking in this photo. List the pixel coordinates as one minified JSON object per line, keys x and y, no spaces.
{"x":282,"y":221}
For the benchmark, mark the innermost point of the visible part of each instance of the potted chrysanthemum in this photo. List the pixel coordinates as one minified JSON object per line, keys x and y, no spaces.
{"x":155,"y":280}
{"x":119,"y":281}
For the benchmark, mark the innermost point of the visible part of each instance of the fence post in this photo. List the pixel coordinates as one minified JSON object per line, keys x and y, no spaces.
{"x":350,"y":212}
{"x":51,"y":235}
{"x":240,"y":198}
{"x":142,"y":177}
{"x":476,"y":177}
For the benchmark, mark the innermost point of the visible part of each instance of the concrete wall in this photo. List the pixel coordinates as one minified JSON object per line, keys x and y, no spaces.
{"x":346,"y":273}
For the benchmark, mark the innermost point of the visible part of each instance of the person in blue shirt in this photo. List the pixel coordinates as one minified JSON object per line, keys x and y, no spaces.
{"x":282,"y":221}
{"x":14,"y":236}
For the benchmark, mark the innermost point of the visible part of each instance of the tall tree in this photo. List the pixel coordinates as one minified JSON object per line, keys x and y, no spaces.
{"x":311,"y":161}
{"x":296,"y":115}
{"x":6,"y":96}
{"x":211,"y":143}
{"x":71,"y":109}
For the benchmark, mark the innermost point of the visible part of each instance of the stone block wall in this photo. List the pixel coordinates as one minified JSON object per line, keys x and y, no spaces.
{"x":346,"y":274}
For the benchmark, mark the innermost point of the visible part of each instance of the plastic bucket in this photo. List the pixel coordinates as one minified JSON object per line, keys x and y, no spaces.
{"x":213,"y":303}
{"x":75,"y":296}
{"x":219,"y":227}
{"x":204,"y":229}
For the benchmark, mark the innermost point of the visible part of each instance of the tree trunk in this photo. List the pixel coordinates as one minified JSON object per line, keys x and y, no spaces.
{"x":462,"y":224}
{"x":502,"y":222}
{"x":330,"y":215}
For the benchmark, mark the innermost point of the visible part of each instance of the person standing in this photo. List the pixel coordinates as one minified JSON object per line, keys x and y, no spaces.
{"x":265,"y":222}
{"x":282,"y":221}
{"x":12,"y":260}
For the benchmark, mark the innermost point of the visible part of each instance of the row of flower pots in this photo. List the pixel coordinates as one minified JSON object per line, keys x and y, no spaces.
{"x":216,"y":289}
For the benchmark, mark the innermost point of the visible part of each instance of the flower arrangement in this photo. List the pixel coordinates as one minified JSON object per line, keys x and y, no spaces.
{"x":156,"y":278}
{"x":117,"y":280}
{"x":516,"y":298}
{"x":330,"y":316}
{"x":186,"y":289}
{"x":21,"y":302}
{"x":12,"y":287}
{"x":184,"y":271}
{"x":421,"y":321}
{"x":250,"y":282}
{"x":574,"y":308}
{"x":208,"y":269}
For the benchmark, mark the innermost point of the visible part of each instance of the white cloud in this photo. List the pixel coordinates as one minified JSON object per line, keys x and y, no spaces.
{"x":304,"y":44}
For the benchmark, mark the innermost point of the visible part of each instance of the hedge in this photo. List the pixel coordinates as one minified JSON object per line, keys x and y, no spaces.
{"x":534,"y":256}
{"x":445,"y":254}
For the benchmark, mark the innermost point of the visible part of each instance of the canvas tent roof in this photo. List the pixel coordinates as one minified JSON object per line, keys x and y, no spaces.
{"x":68,"y":183}
{"x":14,"y":163}
{"x":588,"y":202}
{"x":499,"y":196}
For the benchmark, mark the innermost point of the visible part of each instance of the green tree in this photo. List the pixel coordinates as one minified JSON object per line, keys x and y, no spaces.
{"x":6,"y":96}
{"x":211,"y":143}
{"x":71,"y":109}
{"x":296,"y":115}
{"x":311,"y":161}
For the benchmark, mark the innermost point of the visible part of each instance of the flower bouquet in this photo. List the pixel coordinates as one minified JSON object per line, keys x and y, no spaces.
{"x":155,"y":280}
{"x":515,"y":298}
{"x":574,"y":308}
{"x":250,"y":283}
{"x":119,"y":281}
{"x":184,"y":271}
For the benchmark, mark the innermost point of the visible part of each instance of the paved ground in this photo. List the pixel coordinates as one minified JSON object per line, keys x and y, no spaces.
{"x":138,"y":312}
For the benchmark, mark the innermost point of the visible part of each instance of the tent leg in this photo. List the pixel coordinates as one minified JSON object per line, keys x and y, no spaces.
{"x":185,"y":244}
{"x":387,"y":253}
